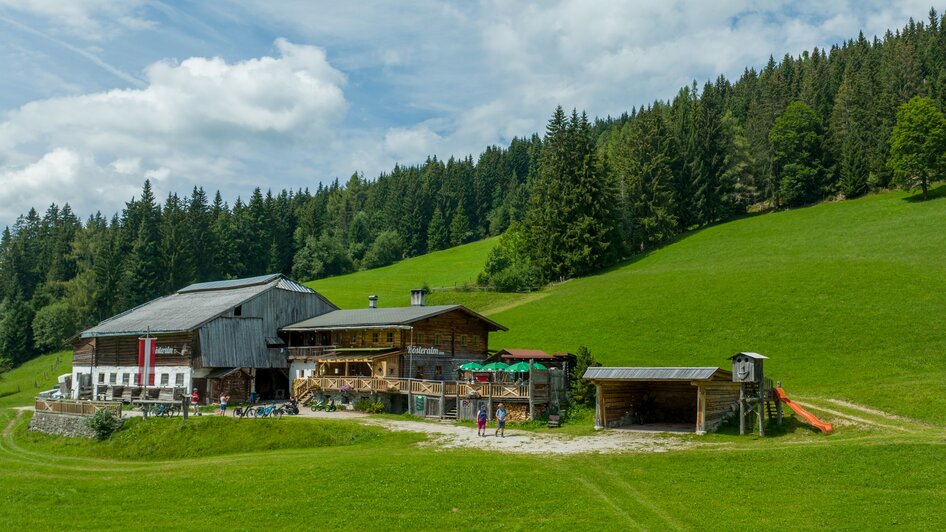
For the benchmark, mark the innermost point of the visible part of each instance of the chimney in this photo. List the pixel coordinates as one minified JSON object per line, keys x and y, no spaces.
{"x":372,"y":301}
{"x":418,"y":297}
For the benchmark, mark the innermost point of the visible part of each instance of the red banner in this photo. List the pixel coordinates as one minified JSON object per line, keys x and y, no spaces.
{"x":146,"y":362}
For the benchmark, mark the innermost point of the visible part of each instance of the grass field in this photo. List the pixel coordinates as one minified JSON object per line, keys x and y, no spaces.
{"x":20,"y":385}
{"x":845,"y":298}
{"x":858,"y":479}
{"x":392,"y":284}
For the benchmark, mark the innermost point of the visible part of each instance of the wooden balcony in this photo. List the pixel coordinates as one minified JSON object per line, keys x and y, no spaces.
{"x":431,"y":388}
{"x":310,"y":351}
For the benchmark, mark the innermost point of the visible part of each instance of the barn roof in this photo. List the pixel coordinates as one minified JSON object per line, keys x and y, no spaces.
{"x":382,"y":317}
{"x":190,"y":307}
{"x":652,"y":374}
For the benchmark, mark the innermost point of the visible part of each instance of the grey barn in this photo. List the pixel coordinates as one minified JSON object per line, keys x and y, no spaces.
{"x":219,"y":337}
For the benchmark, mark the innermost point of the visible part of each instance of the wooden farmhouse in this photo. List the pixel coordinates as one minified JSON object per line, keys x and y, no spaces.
{"x":219,"y":337}
{"x":408,"y":357}
{"x":688,"y":399}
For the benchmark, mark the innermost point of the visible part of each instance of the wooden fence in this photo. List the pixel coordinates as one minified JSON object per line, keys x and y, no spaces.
{"x":76,"y":408}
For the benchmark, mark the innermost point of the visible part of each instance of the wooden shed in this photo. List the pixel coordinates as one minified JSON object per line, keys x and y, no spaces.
{"x":672,"y":398}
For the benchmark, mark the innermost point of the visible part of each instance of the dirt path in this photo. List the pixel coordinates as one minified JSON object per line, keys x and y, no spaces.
{"x":449,"y":435}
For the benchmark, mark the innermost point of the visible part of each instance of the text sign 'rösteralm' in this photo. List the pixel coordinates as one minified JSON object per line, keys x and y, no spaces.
{"x":417,"y":350}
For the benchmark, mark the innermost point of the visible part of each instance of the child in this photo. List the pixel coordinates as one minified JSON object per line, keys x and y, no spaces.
{"x":481,"y":418}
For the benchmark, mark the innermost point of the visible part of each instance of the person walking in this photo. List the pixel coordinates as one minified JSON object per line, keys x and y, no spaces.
{"x":501,"y":414}
{"x":481,"y":418}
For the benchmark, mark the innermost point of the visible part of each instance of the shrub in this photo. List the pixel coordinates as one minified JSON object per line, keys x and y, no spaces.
{"x":369,"y":406}
{"x":104,"y":423}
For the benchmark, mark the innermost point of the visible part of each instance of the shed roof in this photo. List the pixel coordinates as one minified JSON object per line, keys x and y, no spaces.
{"x":382,"y":317}
{"x":190,"y":307}
{"x":524,"y":354}
{"x":652,"y":374}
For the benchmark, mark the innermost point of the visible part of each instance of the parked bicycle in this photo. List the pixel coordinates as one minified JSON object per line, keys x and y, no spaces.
{"x":241,"y":412}
{"x":272,"y":410}
{"x":165,"y":410}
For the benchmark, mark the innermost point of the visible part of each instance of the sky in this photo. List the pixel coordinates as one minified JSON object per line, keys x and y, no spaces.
{"x":96,"y":96}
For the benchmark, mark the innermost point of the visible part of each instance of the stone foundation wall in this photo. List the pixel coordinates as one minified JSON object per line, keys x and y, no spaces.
{"x":61,"y":425}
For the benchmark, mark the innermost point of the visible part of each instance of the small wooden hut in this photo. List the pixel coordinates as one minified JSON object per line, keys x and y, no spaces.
{"x":672,"y":398}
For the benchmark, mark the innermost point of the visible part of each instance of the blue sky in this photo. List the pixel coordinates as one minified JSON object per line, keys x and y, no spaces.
{"x":97,"y":96}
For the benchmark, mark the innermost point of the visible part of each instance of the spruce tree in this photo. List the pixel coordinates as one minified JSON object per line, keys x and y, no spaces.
{"x":438,"y":236}
{"x":459,"y":228}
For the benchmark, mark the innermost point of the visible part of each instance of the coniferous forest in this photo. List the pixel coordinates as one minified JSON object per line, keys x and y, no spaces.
{"x":863,"y":116}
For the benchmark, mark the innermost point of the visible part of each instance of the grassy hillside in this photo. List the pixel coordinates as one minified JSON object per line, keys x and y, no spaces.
{"x":392,"y":284}
{"x":844,"y":297}
{"x":20,"y":385}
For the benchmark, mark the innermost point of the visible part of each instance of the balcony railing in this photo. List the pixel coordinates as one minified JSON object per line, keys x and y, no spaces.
{"x":496,"y":390}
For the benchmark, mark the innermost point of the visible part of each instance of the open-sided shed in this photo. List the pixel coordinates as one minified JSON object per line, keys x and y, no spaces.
{"x":696,"y":398}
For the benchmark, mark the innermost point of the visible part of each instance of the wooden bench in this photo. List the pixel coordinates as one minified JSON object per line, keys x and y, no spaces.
{"x":555,"y":422}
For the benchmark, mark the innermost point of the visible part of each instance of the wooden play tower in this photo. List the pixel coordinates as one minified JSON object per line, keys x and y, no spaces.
{"x":756,"y":394}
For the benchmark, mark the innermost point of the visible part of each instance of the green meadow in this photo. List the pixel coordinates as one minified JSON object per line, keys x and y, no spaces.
{"x":846,"y":298}
{"x":455,"y":267}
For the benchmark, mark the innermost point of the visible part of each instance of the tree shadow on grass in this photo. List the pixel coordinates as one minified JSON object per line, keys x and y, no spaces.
{"x":935,"y":192}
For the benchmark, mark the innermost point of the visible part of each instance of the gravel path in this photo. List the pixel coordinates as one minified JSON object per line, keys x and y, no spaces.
{"x":449,"y":435}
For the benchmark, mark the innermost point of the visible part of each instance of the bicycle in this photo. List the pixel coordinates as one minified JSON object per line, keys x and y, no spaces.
{"x":241,"y":412}
{"x":270,"y":411}
{"x":165,"y":410}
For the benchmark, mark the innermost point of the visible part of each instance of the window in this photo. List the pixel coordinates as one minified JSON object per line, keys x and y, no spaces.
{"x":179,"y":379}
{"x":476,"y":340}
{"x":390,"y":337}
{"x":126,"y":378}
{"x":101,"y":378}
{"x":165,"y":378}
{"x":374,"y":337}
{"x":113,"y":378}
{"x":238,"y":311}
{"x":437,"y":340}
{"x":463,"y":340}
{"x":420,"y":338}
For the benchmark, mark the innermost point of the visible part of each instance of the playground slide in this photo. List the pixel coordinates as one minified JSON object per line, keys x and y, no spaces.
{"x":808,"y":416}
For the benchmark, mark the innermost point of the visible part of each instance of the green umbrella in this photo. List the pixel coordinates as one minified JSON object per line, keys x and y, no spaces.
{"x":496,"y":366}
{"x":524,"y":366}
{"x":471,"y":366}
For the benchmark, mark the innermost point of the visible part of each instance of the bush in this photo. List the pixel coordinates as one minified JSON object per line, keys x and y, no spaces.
{"x":104,"y":423}
{"x":369,"y":406}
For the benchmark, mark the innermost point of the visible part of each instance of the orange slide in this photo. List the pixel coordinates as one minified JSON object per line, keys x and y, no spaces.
{"x":808,"y":416}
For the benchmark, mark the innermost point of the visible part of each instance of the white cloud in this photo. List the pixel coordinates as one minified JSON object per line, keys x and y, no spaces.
{"x":197,"y":121}
{"x":91,"y":20}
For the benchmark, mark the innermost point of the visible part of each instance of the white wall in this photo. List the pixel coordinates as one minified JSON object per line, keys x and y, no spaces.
{"x":119,"y":371}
